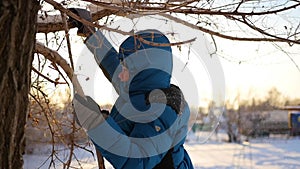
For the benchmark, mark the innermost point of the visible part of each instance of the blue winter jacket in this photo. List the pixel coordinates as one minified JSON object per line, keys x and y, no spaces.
{"x":137,"y":135}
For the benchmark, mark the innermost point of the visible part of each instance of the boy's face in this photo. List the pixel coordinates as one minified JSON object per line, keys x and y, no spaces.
{"x":124,"y":74}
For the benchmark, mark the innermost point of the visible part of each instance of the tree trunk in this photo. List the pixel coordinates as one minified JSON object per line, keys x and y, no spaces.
{"x":17,"y":35}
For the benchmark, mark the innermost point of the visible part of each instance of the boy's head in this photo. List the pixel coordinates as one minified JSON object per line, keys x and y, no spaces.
{"x":146,"y":60}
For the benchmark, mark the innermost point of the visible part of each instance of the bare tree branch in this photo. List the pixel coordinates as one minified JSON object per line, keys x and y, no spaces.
{"x":124,"y":8}
{"x":211,"y":32}
{"x":54,"y":57}
{"x":66,"y":28}
{"x":252,"y":26}
{"x":47,"y":78}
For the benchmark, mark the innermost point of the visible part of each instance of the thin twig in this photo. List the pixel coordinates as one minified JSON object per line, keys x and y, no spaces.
{"x":47,"y":78}
{"x":163,"y":44}
{"x":63,"y":16}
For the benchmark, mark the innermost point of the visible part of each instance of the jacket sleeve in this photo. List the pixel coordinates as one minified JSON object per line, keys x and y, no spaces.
{"x":144,"y":147}
{"x":104,"y":53}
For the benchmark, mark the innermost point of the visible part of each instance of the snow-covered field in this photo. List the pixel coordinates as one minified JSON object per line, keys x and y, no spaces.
{"x":276,"y":152}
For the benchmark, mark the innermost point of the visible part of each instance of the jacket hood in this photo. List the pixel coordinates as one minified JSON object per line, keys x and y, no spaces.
{"x":148,"y":59}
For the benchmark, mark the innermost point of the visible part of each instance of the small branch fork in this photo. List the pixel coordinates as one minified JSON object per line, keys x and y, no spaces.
{"x":55,"y":82}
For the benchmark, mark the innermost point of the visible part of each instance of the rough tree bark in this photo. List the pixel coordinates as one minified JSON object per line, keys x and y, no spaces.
{"x":17,"y":34}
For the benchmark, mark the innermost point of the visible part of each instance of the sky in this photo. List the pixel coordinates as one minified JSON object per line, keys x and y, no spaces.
{"x":252,"y":69}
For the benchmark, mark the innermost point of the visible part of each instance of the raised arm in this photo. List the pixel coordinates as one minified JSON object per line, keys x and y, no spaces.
{"x":105,"y":55}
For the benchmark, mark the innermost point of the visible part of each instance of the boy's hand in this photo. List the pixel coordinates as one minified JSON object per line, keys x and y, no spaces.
{"x":87,"y":111}
{"x":83,"y":30}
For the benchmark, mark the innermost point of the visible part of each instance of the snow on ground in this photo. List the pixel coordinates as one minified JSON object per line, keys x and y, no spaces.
{"x":261,"y":153}
{"x":276,"y":152}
